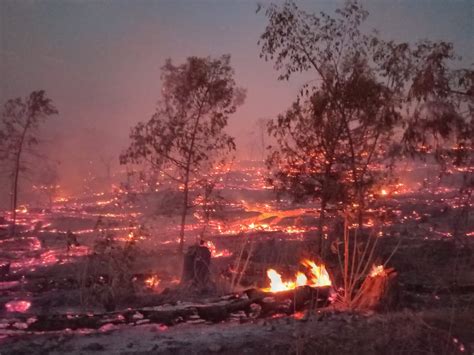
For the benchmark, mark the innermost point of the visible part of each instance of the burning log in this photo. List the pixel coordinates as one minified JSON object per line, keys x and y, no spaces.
{"x":379,"y":291}
{"x":290,"y":301}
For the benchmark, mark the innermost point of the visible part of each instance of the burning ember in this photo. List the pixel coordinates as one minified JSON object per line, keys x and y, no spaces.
{"x":377,"y":270}
{"x":216,"y":253}
{"x":152,"y":282}
{"x":319,"y":278}
{"x":18,"y":306}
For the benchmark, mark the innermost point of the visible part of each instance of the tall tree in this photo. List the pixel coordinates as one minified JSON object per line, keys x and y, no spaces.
{"x":185,"y":137}
{"x":20,"y":121}
{"x":365,"y":97}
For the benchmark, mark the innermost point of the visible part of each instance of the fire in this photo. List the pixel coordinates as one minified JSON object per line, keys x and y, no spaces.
{"x":377,"y":270}
{"x":22,"y":209}
{"x":215,"y":253}
{"x":319,"y":278}
{"x":320,"y":275}
{"x":152,"y":282}
{"x":384,"y":192}
{"x":277,"y":284}
{"x":301,"y":279}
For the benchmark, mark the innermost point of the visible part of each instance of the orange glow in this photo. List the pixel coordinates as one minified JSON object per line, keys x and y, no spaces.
{"x":217,"y":253}
{"x":22,"y":209}
{"x":277,"y":284}
{"x":384,"y":192}
{"x":152,"y":282}
{"x":377,"y":271}
{"x":18,"y":306}
{"x":320,"y":275}
{"x":301,"y":279}
{"x":319,"y":278}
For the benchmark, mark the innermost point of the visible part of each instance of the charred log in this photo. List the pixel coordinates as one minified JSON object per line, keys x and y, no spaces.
{"x":222,"y":309}
{"x":290,"y":301}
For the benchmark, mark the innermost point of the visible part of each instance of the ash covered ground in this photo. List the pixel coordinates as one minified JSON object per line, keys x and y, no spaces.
{"x":120,"y":256}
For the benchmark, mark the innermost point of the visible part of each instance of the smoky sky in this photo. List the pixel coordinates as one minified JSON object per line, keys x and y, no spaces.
{"x":100,"y":60}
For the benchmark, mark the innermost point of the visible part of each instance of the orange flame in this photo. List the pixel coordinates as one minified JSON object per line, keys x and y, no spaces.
{"x":320,"y":275}
{"x":319,"y":278}
{"x":377,"y":271}
{"x":301,"y":279}
{"x":152,"y":282}
{"x":276,"y":283}
{"x":216,"y":253}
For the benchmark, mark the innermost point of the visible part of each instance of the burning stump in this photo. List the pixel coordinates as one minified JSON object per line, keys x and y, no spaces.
{"x":378,"y":291}
{"x":196,"y":268}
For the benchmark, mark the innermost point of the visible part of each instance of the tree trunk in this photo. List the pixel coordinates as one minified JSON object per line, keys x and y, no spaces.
{"x":15,"y":190}
{"x":196,"y":268}
{"x":321,"y":245}
{"x":16,"y":177}
{"x":14,"y":201}
{"x":183,"y":217}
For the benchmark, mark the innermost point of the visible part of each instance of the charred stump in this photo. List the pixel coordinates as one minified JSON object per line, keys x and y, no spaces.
{"x":379,"y":292}
{"x":196,"y":268}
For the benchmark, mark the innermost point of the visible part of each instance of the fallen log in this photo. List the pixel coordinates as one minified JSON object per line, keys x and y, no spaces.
{"x":221,"y":309}
{"x":165,"y":314}
{"x":220,"y":312}
{"x":291,"y":300}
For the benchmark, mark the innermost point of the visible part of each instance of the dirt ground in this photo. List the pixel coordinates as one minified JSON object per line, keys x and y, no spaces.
{"x":434,"y":315}
{"x":323,"y":333}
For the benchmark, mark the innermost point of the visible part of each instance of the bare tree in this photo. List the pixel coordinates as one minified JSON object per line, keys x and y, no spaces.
{"x":21,"y":119}
{"x":185,"y":137}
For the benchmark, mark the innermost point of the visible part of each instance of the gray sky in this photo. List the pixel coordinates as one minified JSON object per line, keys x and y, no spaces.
{"x":100,"y":60}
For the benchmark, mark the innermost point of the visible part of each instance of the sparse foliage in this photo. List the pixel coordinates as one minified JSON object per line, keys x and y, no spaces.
{"x":21,"y":118}
{"x":106,"y":278}
{"x":370,"y":101}
{"x":185,"y":137}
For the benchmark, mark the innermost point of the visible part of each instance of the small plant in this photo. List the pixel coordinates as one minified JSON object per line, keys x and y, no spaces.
{"x":106,"y":279}
{"x":241,"y":263}
{"x":356,"y":260}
